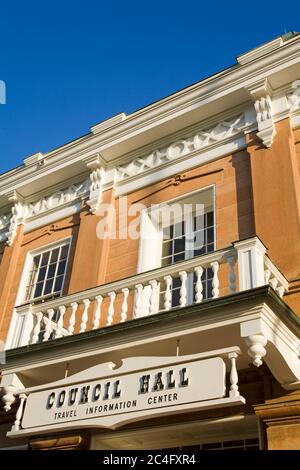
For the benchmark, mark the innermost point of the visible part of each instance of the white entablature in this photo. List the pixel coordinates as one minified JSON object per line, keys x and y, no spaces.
{"x":204,"y":138}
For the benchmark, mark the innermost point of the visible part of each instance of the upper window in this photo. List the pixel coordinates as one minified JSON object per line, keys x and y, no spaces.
{"x":47,"y":274}
{"x":177,"y":230}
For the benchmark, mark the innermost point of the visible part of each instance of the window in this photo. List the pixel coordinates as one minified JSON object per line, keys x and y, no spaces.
{"x":185,"y":229}
{"x":47,"y":274}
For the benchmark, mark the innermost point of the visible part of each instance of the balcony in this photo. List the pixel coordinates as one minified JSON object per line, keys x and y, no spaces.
{"x":242,"y":266}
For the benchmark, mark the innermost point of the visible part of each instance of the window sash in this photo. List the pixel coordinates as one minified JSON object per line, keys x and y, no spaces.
{"x":48,"y":271}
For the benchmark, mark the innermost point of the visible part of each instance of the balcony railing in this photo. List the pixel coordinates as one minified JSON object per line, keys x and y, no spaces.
{"x":242,"y":266}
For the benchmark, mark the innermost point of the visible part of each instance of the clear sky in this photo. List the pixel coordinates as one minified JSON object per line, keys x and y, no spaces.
{"x":68,"y":65}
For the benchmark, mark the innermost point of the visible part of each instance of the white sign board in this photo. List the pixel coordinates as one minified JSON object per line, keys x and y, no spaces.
{"x":139,"y":389}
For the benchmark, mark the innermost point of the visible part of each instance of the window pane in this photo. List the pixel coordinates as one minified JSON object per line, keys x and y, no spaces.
{"x":210,"y":219}
{"x":42,"y":274}
{"x":179,"y":245}
{"x":58,"y":283}
{"x":61,"y":268}
{"x":179,"y":257}
{"x":38,"y":289}
{"x":167,"y":248}
{"x":175,"y":297}
{"x":45,"y":259}
{"x":64,"y":252}
{"x":168,"y":232}
{"x":166,"y":261}
{"x":210,"y":235}
{"x":51,"y":271}
{"x":48,"y":287}
{"x":179,"y":229}
{"x":54,"y":255}
{"x":36,"y":261}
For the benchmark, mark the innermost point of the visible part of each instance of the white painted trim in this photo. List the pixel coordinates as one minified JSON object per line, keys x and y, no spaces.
{"x":201,"y":95}
{"x":141,"y":266}
{"x":171,"y":168}
{"x":52,"y":216}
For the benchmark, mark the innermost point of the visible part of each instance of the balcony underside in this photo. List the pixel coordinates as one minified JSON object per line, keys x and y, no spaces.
{"x":257,"y":321}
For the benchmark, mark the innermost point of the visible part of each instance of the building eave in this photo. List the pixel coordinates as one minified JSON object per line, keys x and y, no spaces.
{"x":196,"y":103}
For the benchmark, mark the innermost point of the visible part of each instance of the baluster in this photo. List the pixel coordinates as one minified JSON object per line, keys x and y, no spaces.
{"x":231,"y":262}
{"x":215,"y":281}
{"x":168,"y":293}
{"x":124,"y":307}
{"x":111,"y":310}
{"x":273,"y":282}
{"x":60,"y":323}
{"x":183,"y":289}
{"x":74,"y":306}
{"x":85,"y":317}
{"x":153,"y":297}
{"x":138,"y":301}
{"x":48,"y":328}
{"x":280,"y":291}
{"x":199,"y":286}
{"x":19,"y":413}
{"x":97,"y":315}
{"x":267,"y":276}
{"x":234,"y":389}
{"x":37,"y":327}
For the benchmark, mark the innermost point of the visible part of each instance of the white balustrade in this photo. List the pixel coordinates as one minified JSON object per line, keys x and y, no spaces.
{"x":153,"y":297}
{"x":48,"y":329}
{"x":124,"y":307}
{"x":85,"y":316}
{"x":153,"y":291}
{"x":168,"y":293}
{"x":20,"y":411}
{"x":72,"y":321}
{"x":183,"y":289}
{"x":234,"y":389}
{"x":215,"y":280}
{"x":138,"y":301}
{"x":111,"y":308}
{"x":60,"y":323}
{"x":199,"y":285}
{"x":37,"y":328}
{"x":97,"y":314}
{"x":231,"y":261}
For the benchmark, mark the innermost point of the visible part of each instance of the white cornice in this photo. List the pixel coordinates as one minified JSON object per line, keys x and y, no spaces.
{"x":198,"y":102}
{"x":182,"y":147}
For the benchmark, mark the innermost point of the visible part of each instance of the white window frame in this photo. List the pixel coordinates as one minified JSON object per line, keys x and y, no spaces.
{"x":149,"y":256}
{"x":150,"y":247}
{"x":21,"y":298}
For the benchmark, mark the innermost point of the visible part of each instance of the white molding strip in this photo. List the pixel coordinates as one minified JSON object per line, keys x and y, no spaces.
{"x":196,"y":159}
{"x":203,"y":138}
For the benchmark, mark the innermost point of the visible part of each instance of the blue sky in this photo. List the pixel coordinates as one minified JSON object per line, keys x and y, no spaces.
{"x":70,"y":64}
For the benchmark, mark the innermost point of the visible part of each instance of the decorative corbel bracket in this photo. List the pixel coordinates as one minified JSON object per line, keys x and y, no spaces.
{"x":18,"y":215}
{"x":95,"y":165}
{"x":261,"y":94}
